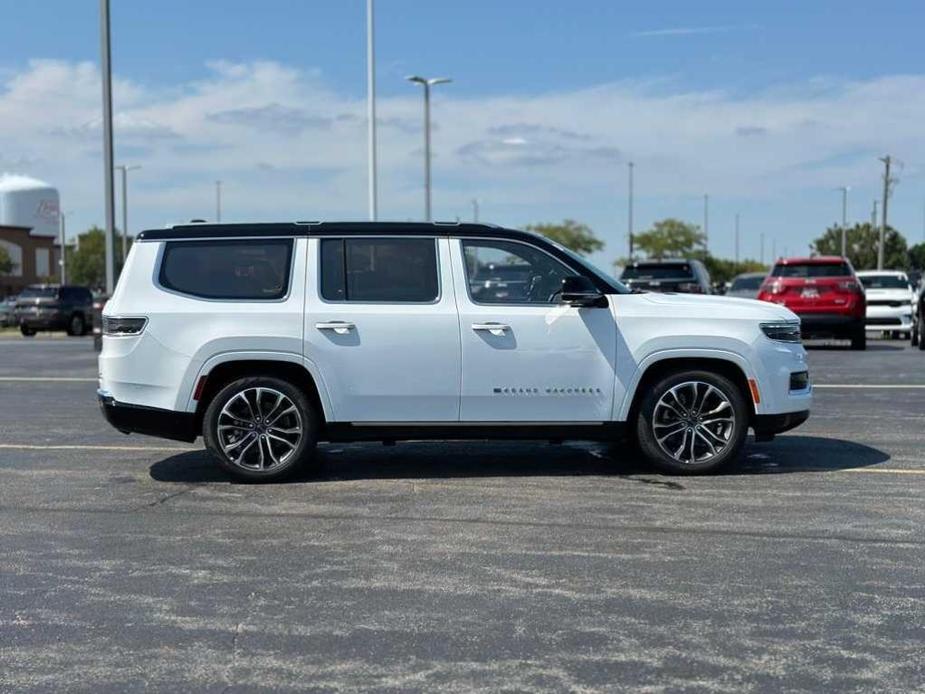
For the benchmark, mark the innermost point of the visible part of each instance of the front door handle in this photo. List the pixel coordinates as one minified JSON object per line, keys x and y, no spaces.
{"x":494,"y":328}
{"x":338,"y":326}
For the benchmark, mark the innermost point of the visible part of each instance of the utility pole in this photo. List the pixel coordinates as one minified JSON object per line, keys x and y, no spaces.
{"x":887,"y":181}
{"x":371,"y":112}
{"x":773,"y":250}
{"x":125,"y":169}
{"x":706,"y":222}
{"x":873,"y":216}
{"x":218,"y":201}
{"x":106,"y":69}
{"x":737,"y":238}
{"x":475,"y":210}
{"x":762,"y":248}
{"x":629,"y":221}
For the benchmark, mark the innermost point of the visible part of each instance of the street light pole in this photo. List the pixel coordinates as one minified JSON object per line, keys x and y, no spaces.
{"x":475,"y":210}
{"x":844,"y":220}
{"x":106,"y":69}
{"x":218,"y":201}
{"x":427,"y":83}
{"x":63,"y":261}
{"x":706,"y":222}
{"x":629,"y":220}
{"x":887,"y":160}
{"x":371,"y":112}
{"x":125,"y":169}
{"x":737,"y":238}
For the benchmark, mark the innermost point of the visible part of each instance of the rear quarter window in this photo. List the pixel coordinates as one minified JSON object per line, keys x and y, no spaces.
{"x":228,"y":269}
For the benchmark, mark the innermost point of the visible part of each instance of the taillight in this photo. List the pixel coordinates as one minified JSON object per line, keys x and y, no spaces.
{"x":770,"y":287}
{"x":850,"y":286}
{"x":123,"y":326}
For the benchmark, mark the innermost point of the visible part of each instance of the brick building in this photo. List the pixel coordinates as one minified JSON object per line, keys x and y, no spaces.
{"x":35,"y":258}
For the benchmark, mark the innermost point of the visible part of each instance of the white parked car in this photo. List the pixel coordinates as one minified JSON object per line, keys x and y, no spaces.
{"x":890,"y":301}
{"x":268,"y":338}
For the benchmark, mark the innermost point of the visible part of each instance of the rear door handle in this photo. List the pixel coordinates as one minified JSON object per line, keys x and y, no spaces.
{"x":338,"y":326}
{"x":494,"y":328}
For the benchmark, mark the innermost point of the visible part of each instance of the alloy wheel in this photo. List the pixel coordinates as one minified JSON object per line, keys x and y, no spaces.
{"x":693,"y":422}
{"x":259,"y":429}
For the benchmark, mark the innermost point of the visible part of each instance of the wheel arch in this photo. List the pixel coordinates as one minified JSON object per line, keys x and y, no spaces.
{"x":728,"y":364}
{"x":220,"y":372}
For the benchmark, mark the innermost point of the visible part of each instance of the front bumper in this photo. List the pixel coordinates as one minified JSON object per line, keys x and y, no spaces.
{"x":889,"y":318}
{"x":767,"y":425}
{"x":152,"y":421}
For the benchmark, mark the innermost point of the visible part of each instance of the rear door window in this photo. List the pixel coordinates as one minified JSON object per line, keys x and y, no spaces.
{"x":379,"y":270}
{"x":228,"y":269}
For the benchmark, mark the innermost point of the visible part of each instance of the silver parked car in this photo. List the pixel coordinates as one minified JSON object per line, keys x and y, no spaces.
{"x":746,"y":285}
{"x":7,"y":317}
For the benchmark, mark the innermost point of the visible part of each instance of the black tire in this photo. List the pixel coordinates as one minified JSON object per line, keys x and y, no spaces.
{"x":859,"y":339}
{"x":921,"y":333}
{"x":734,"y":435}
{"x":76,"y":325}
{"x":26,"y":331}
{"x":269,"y":445}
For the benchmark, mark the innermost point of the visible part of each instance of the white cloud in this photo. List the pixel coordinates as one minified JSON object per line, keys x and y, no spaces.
{"x":288,"y":145}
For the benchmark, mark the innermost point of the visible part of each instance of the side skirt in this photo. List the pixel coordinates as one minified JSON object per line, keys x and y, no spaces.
{"x":340,"y":432}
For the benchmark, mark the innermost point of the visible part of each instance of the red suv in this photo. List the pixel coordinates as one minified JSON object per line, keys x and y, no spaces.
{"x":824,"y":292}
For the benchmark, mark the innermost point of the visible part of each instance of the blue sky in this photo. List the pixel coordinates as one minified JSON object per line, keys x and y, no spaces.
{"x":766,"y":106}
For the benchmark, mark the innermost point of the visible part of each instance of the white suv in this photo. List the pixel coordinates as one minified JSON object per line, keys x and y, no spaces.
{"x":267,"y":338}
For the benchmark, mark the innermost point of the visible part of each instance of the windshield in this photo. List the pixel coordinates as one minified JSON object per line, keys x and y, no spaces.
{"x":745,"y":283}
{"x":657,"y":271}
{"x":884,"y":282}
{"x":812,"y":270}
{"x":39,"y":293}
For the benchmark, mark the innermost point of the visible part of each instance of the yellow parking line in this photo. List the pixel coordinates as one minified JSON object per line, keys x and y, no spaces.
{"x":885,"y":470}
{"x":80,"y":447}
{"x":29,"y":379}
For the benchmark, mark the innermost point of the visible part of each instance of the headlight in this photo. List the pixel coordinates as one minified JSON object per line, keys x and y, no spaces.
{"x":123,"y":326}
{"x":785,"y":331}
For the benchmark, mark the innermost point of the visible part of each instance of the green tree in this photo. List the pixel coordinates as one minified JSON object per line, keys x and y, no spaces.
{"x":917,"y":256}
{"x":571,"y":234}
{"x":86,"y":264}
{"x":6,"y":262}
{"x":670,"y":238}
{"x":863,"y":240}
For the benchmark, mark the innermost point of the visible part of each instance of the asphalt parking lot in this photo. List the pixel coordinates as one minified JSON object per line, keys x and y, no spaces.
{"x":131,"y":564}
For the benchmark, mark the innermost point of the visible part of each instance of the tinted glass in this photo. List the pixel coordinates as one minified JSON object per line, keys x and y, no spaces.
{"x":503,"y":272}
{"x":884,"y":282}
{"x":39,"y":293}
{"x":657,"y":271}
{"x":379,"y":270}
{"x":744,"y":283}
{"x":812,"y":270}
{"x":228,"y":269}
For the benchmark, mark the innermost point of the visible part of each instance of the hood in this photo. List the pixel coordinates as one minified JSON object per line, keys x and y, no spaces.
{"x":710,"y":306}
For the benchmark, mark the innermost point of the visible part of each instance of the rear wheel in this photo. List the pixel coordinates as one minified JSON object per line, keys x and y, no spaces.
{"x":26,"y":330}
{"x":692,"y":422}
{"x":76,"y":325}
{"x":859,"y":339}
{"x":921,"y":334}
{"x":260,"y":429}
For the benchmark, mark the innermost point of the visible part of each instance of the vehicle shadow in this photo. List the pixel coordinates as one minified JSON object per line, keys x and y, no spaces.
{"x":447,"y":460}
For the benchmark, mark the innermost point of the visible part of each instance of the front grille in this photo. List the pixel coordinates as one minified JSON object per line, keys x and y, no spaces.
{"x":885,"y":302}
{"x":799,"y":380}
{"x":884,"y":321}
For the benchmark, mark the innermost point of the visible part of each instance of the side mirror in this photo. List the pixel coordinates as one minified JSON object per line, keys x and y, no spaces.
{"x":581,"y":292}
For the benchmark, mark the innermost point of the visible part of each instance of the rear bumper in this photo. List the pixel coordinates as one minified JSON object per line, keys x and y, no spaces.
{"x":812,"y":324}
{"x":767,"y":425}
{"x":53,"y":322}
{"x":152,"y":421}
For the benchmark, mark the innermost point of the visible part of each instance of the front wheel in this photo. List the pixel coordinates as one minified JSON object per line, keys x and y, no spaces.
{"x":921,"y":334}
{"x":76,"y":325}
{"x":26,"y":331}
{"x":260,"y":429}
{"x":692,"y":422}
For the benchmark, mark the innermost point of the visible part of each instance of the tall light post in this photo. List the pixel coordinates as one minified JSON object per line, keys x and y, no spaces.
{"x":427,"y":83}
{"x":737,"y":238}
{"x":887,"y":184}
{"x":63,"y":259}
{"x":218,"y":201}
{"x":629,"y":216}
{"x":125,"y":169}
{"x":706,"y":222}
{"x":475,"y":210}
{"x":371,"y":112}
{"x":106,"y":70}
{"x":844,"y":219}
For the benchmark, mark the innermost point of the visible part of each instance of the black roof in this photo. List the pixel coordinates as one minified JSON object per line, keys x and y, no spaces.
{"x":207,"y":230}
